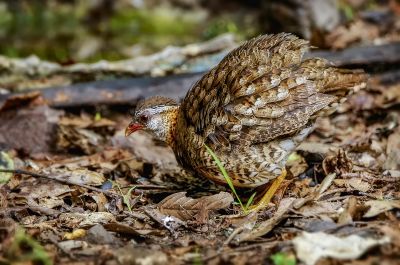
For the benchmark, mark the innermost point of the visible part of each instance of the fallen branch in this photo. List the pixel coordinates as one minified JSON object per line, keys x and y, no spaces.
{"x":128,"y":91}
{"x":362,"y":56}
{"x":119,"y":92}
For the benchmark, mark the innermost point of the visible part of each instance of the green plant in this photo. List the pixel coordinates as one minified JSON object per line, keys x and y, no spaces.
{"x":197,"y":258}
{"x":97,"y":116}
{"x":125,"y":197}
{"x":23,"y":242}
{"x":228,"y":180}
{"x":283,"y":259}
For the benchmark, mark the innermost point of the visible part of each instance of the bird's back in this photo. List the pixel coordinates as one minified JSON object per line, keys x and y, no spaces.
{"x":256,"y":106}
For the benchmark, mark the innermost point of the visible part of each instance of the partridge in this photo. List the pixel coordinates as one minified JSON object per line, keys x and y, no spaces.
{"x":252,"y":109}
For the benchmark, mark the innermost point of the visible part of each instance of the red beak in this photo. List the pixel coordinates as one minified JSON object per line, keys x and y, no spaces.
{"x":132,"y":127}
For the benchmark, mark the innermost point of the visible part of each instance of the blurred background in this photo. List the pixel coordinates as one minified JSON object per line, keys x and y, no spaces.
{"x":70,"y":31}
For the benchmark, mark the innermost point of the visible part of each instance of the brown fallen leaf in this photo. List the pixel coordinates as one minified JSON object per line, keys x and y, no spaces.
{"x":74,"y":220}
{"x":130,"y":230}
{"x":80,"y":176}
{"x":350,"y":210}
{"x":21,"y":100}
{"x":186,"y":208}
{"x":393,"y":151}
{"x":317,"y":148}
{"x":83,"y":133}
{"x":359,"y":184}
{"x":170,"y":222}
{"x":377,"y":207}
{"x":266,"y":226}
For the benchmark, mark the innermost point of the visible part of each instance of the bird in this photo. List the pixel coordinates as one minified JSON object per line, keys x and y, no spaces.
{"x":252,"y":110}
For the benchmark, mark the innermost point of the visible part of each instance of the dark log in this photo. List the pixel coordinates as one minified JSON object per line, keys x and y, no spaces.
{"x":129,"y":90}
{"x":125,"y":91}
{"x":389,"y":77}
{"x":362,"y":56}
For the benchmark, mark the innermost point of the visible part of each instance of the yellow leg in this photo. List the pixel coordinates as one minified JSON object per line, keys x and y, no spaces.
{"x":266,"y":199}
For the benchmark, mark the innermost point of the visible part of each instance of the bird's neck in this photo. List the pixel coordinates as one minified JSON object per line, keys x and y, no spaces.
{"x":170,"y":126}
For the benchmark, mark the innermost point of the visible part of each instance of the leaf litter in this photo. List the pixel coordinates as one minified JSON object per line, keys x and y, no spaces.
{"x":117,"y":200}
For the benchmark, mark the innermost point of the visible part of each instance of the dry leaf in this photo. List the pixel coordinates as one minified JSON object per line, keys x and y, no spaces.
{"x":49,"y":202}
{"x":349,"y":212}
{"x":132,"y":230}
{"x":377,"y":207}
{"x":296,"y":164}
{"x":266,"y":226}
{"x":359,"y":184}
{"x":310,"y":247}
{"x":186,"y":208}
{"x":43,"y":190}
{"x":78,"y":233}
{"x":316,"y":148}
{"x":73,"y":220}
{"x":320,"y":209}
{"x":101,"y":201}
{"x":84,"y":176}
{"x":170,"y":222}
{"x":69,"y":245}
{"x":393,"y":151}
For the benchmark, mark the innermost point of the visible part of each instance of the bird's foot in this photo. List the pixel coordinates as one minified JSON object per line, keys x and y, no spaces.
{"x":266,"y":198}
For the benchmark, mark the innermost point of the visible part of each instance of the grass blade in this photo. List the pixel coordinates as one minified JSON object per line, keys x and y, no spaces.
{"x":226,"y":176}
{"x":250,"y":201}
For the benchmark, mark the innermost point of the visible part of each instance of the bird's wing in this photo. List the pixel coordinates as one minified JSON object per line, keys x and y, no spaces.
{"x":260,"y":91}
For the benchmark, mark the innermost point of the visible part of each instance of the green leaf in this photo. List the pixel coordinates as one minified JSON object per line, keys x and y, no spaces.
{"x":283,"y":259}
{"x":97,"y":117}
{"x":250,"y":201}
{"x":293,"y":157}
{"x":127,"y":197}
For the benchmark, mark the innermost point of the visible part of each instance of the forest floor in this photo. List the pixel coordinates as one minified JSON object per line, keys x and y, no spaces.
{"x":98,"y":197}
{"x":117,"y":202}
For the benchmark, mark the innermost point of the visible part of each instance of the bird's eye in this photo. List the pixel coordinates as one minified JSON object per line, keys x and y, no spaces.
{"x":143,"y":118}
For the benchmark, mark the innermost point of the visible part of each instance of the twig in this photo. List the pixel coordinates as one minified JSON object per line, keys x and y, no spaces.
{"x":233,"y":235}
{"x":327,"y":193}
{"x":148,"y":186}
{"x":68,"y":182}
{"x":368,"y":176}
{"x":338,"y":198}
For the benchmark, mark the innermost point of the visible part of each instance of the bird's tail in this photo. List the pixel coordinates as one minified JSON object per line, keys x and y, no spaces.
{"x":341,"y":82}
{"x":335,"y":82}
{"x":332,"y":80}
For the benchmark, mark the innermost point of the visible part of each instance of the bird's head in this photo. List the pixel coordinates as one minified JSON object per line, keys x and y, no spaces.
{"x":156,"y":115}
